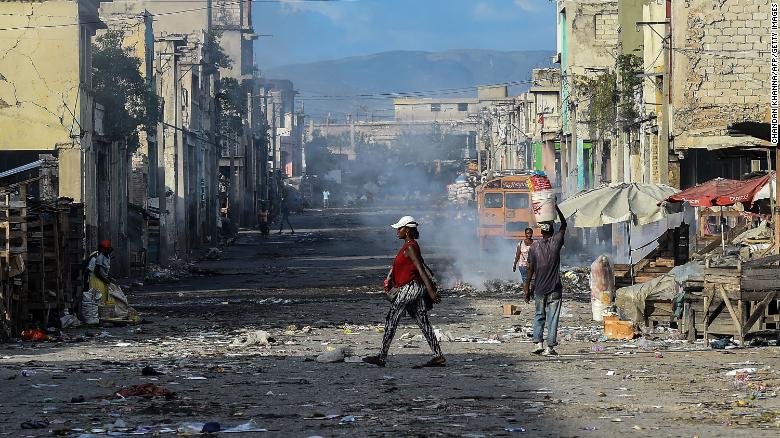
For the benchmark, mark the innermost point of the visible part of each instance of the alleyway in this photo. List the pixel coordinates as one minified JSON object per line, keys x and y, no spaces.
{"x":320,"y":288}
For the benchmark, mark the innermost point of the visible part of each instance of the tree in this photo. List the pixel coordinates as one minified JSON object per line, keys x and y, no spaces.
{"x":232,"y":104}
{"x":216,"y":53}
{"x":129,"y":101}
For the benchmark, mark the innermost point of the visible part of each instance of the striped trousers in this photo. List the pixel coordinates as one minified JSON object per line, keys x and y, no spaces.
{"x":409,"y":299}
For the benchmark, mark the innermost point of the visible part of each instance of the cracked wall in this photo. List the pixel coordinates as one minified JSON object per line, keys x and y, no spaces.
{"x":39,"y":76}
{"x":720,"y":73}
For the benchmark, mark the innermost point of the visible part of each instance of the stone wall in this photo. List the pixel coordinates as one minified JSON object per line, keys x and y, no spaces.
{"x":720,"y":66}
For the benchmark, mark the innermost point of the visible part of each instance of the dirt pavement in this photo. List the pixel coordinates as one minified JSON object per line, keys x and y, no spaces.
{"x":319,"y":289}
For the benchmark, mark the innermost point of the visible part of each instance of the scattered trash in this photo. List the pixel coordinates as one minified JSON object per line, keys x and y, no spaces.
{"x":145,"y":390}
{"x":214,"y":254}
{"x":249,"y":426}
{"x":333,"y":355}
{"x":210,"y":427}
{"x":741,"y":371}
{"x":34,"y":335}
{"x":36,"y":423}
{"x":252,"y":337}
{"x":69,"y":320}
{"x":348,"y":419}
{"x":721,"y":344}
{"x":510,"y":309}
{"x":514,"y":430}
{"x":616,"y":329}
{"x":610,"y":373}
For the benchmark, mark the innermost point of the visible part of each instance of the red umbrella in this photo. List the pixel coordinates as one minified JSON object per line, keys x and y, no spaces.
{"x":721,"y":192}
{"x":744,"y":193}
{"x":705,"y":194}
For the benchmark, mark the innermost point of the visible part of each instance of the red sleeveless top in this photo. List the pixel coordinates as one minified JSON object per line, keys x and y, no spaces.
{"x":404,"y":271}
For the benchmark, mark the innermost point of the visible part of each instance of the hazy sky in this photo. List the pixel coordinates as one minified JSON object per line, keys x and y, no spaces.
{"x":305,"y":31}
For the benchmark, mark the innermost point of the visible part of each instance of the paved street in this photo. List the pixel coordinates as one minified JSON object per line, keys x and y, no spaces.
{"x":319,"y":289}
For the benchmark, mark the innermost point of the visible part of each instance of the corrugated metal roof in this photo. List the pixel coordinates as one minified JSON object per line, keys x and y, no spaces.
{"x":20,"y":169}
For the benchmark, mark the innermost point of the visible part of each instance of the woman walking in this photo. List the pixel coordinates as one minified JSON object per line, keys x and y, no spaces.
{"x":521,"y":254}
{"x":409,"y":276}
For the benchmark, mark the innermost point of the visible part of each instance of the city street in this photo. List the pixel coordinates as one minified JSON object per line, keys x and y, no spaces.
{"x":320,"y":289}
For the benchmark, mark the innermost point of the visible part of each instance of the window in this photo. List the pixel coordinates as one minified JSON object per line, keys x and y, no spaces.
{"x":516,"y":226}
{"x":463,"y":107}
{"x":435,"y":107}
{"x":517,"y":200}
{"x":494,"y":200}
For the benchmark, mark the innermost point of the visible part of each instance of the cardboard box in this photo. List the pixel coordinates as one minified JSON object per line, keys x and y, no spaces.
{"x":617,"y":329}
{"x":510,"y":309}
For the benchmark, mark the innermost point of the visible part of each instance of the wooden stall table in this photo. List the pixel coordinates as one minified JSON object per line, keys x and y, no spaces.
{"x":744,"y":291}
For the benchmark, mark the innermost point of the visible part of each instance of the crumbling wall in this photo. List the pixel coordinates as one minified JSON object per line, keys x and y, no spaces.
{"x":720,"y":66}
{"x":39,"y":75}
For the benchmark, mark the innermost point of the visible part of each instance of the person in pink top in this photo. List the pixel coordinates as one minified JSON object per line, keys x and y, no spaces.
{"x":521,"y":254}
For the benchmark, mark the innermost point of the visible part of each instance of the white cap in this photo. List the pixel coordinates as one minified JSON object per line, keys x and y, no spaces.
{"x":406,"y":221}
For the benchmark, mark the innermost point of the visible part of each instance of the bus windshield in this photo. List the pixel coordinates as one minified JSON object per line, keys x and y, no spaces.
{"x":494,"y":200}
{"x":517,"y":200}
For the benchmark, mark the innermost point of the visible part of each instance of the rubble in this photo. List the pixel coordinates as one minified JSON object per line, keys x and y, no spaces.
{"x":176,"y":270}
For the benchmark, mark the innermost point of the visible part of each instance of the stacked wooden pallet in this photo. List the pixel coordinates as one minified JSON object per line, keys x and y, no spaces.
{"x":41,"y":253}
{"x":13,"y":258}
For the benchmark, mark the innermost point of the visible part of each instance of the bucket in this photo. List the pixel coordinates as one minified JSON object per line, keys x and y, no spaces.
{"x":599,"y":303}
{"x":543,"y":205}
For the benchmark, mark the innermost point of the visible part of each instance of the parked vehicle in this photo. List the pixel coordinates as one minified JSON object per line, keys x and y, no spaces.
{"x":504,"y":209}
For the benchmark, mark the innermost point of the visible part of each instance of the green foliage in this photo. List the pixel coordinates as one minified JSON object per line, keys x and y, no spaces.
{"x":612,"y":98}
{"x":232,"y":104}
{"x":216,"y":53}
{"x":629,"y":69}
{"x":130,"y":102}
{"x":600,"y":97}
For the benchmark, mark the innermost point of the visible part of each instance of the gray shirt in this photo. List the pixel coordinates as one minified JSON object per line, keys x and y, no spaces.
{"x":545,"y":258}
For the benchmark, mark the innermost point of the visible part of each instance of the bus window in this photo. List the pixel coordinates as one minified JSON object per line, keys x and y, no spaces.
{"x":517,"y":200}
{"x":494,"y":200}
{"x":517,"y":226}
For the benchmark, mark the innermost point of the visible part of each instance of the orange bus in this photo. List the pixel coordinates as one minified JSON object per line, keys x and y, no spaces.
{"x":504,"y":209}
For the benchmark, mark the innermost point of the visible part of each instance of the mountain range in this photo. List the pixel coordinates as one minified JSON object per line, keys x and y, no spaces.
{"x":360,"y":85}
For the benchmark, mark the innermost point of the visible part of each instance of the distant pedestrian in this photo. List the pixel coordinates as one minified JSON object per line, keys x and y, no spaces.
{"x":325,"y":198}
{"x":521,"y":254}
{"x":263,"y":220}
{"x":544,"y":269}
{"x":409,"y":276}
{"x":285,"y":207}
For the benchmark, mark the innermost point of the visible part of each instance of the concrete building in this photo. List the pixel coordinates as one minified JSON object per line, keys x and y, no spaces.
{"x":587,"y":41}
{"x":720,"y":76}
{"x":48,"y":107}
{"x":543,"y":121}
{"x":433,"y":109}
{"x":286,"y":126}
